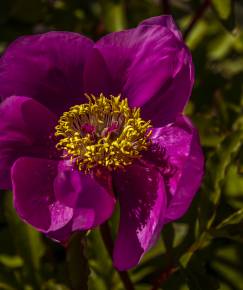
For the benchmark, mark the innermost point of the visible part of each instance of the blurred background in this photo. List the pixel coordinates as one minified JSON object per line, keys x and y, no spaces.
{"x":202,"y":251}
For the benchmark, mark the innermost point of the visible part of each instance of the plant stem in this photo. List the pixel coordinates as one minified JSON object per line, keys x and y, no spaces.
{"x":77,"y":262}
{"x":164,"y":276}
{"x":198,"y":15}
{"x":107,"y":239}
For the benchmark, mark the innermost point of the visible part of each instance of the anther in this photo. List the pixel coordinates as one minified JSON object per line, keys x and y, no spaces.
{"x":104,"y":132}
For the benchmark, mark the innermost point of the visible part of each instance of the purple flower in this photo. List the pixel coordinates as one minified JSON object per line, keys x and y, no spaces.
{"x":69,"y":157}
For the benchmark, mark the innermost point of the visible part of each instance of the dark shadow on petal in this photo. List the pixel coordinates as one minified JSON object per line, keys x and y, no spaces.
{"x":142,"y":203}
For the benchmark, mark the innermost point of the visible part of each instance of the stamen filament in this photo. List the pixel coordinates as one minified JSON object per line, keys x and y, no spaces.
{"x":102,"y":132}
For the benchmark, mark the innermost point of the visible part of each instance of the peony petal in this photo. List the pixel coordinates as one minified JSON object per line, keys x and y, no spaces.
{"x":34,"y":197}
{"x":47,"y":67}
{"x":142,"y":204}
{"x":150,"y":65}
{"x":92,"y":202}
{"x":67,"y":184}
{"x":25,"y":129}
{"x":97,"y":77}
{"x":62,"y":235}
{"x":39,"y":188}
{"x":182,"y":148}
{"x":164,"y":21}
{"x":94,"y":206}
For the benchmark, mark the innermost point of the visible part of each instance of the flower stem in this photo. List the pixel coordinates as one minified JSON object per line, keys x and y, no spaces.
{"x":198,"y":15}
{"x":77,"y":262}
{"x":107,"y":239}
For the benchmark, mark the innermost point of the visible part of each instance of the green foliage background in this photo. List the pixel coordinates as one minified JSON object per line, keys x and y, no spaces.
{"x":202,"y":251}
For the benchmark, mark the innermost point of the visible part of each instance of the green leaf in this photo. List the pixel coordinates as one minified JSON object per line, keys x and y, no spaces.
{"x":11,"y":261}
{"x":103,"y":275}
{"x":235,"y":218}
{"x":224,"y":9}
{"x":232,"y":232}
{"x":197,"y":35}
{"x":8,"y":280}
{"x":197,"y":277}
{"x":77,"y":262}
{"x":52,"y":285}
{"x":220,"y":161}
{"x":231,"y":227}
{"x":221,"y":46}
{"x":27,"y":241}
{"x":168,"y":235}
{"x":6,"y":286}
{"x":198,"y":244}
{"x":216,"y":169}
{"x":114,"y":17}
{"x":226,"y":263}
{"x":233,"y":189}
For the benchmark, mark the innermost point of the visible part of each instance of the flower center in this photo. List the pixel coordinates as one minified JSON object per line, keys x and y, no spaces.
{"x":104,"y":132}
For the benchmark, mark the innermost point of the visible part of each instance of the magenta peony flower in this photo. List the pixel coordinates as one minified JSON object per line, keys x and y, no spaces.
{"x":84,"y":125}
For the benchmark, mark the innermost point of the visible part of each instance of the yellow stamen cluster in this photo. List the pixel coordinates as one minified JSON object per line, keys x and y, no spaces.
{"x":104,"y":132}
